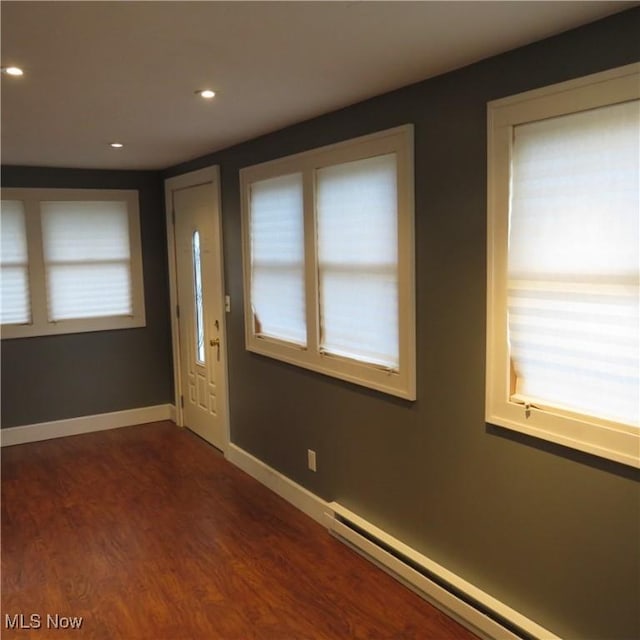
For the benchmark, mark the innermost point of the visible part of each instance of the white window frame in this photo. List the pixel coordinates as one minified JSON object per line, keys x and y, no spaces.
{"x":607,"y":439}
{"x":399,"y":140}
{"x":40,"y":324}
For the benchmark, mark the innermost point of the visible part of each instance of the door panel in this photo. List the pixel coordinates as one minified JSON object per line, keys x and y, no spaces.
{"x":199,"y":299}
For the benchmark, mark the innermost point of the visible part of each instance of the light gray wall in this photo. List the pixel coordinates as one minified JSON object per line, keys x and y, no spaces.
{"x":65,"y":376}
{"x":551,"y":532}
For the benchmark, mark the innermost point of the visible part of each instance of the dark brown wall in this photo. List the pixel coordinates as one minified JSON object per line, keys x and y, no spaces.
{"x":65,"y":376}
{"x":551,"y":532}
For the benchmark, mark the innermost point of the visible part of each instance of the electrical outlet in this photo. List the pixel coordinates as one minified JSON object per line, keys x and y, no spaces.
{"x":311,"y":459}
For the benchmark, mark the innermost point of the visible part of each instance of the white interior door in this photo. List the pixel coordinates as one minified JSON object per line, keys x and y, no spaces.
{"x":199,"y":292}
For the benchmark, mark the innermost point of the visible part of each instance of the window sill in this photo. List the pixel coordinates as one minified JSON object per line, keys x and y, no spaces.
{"x":8,"y":332}
{"x":620,"y":443}
{"x":363,"y":374}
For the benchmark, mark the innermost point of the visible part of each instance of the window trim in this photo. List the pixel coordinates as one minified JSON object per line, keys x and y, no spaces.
{"x":599,"y":437}
{"x":40,"y":324}
{"x":398,"y":140}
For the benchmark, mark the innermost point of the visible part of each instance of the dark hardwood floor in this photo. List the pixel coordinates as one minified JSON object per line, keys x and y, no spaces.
{"x":148,"y":533}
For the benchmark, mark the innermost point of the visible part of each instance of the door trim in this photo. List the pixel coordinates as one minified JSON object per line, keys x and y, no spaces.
{"x":208,"y":175}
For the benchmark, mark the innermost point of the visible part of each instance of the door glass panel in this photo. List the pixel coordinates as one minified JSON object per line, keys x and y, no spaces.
{"x":199,"y":315}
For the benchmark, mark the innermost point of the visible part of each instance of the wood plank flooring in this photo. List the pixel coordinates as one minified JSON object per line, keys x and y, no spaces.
{"x":147,"y":533}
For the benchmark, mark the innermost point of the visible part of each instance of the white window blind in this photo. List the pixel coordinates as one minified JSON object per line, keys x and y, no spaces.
{"x":277,"y":258}
{"x":14,"y":272}
{"x":357,"y":240}
{"x":574,"y":262}
{"x":87,"y":259}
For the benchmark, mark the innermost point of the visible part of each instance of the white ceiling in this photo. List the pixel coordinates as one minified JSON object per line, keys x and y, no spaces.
{"x":97,"y":72}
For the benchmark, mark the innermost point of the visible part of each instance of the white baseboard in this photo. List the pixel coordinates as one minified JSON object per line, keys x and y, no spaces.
{"x":328,"y":515}
{"x":85,"y":424}
{"x":292,"y":492}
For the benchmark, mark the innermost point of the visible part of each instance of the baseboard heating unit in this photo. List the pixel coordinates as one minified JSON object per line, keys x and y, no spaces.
{"x":476,"y":610}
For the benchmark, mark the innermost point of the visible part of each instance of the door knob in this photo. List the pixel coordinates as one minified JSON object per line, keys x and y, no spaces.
{"x":215,"y":342}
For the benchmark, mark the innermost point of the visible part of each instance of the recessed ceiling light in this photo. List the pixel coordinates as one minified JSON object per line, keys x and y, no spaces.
{"x":13,"y":71}
{"x":116,"y":145}
{"x":206,"y":93}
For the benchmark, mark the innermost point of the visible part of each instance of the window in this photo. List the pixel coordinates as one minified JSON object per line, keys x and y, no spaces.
{"x":329,"y":260}
{"x":197,"y":296}
{"x":16,"y":308}
{"x":71,"y":261}
{"x":563,"y":347}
